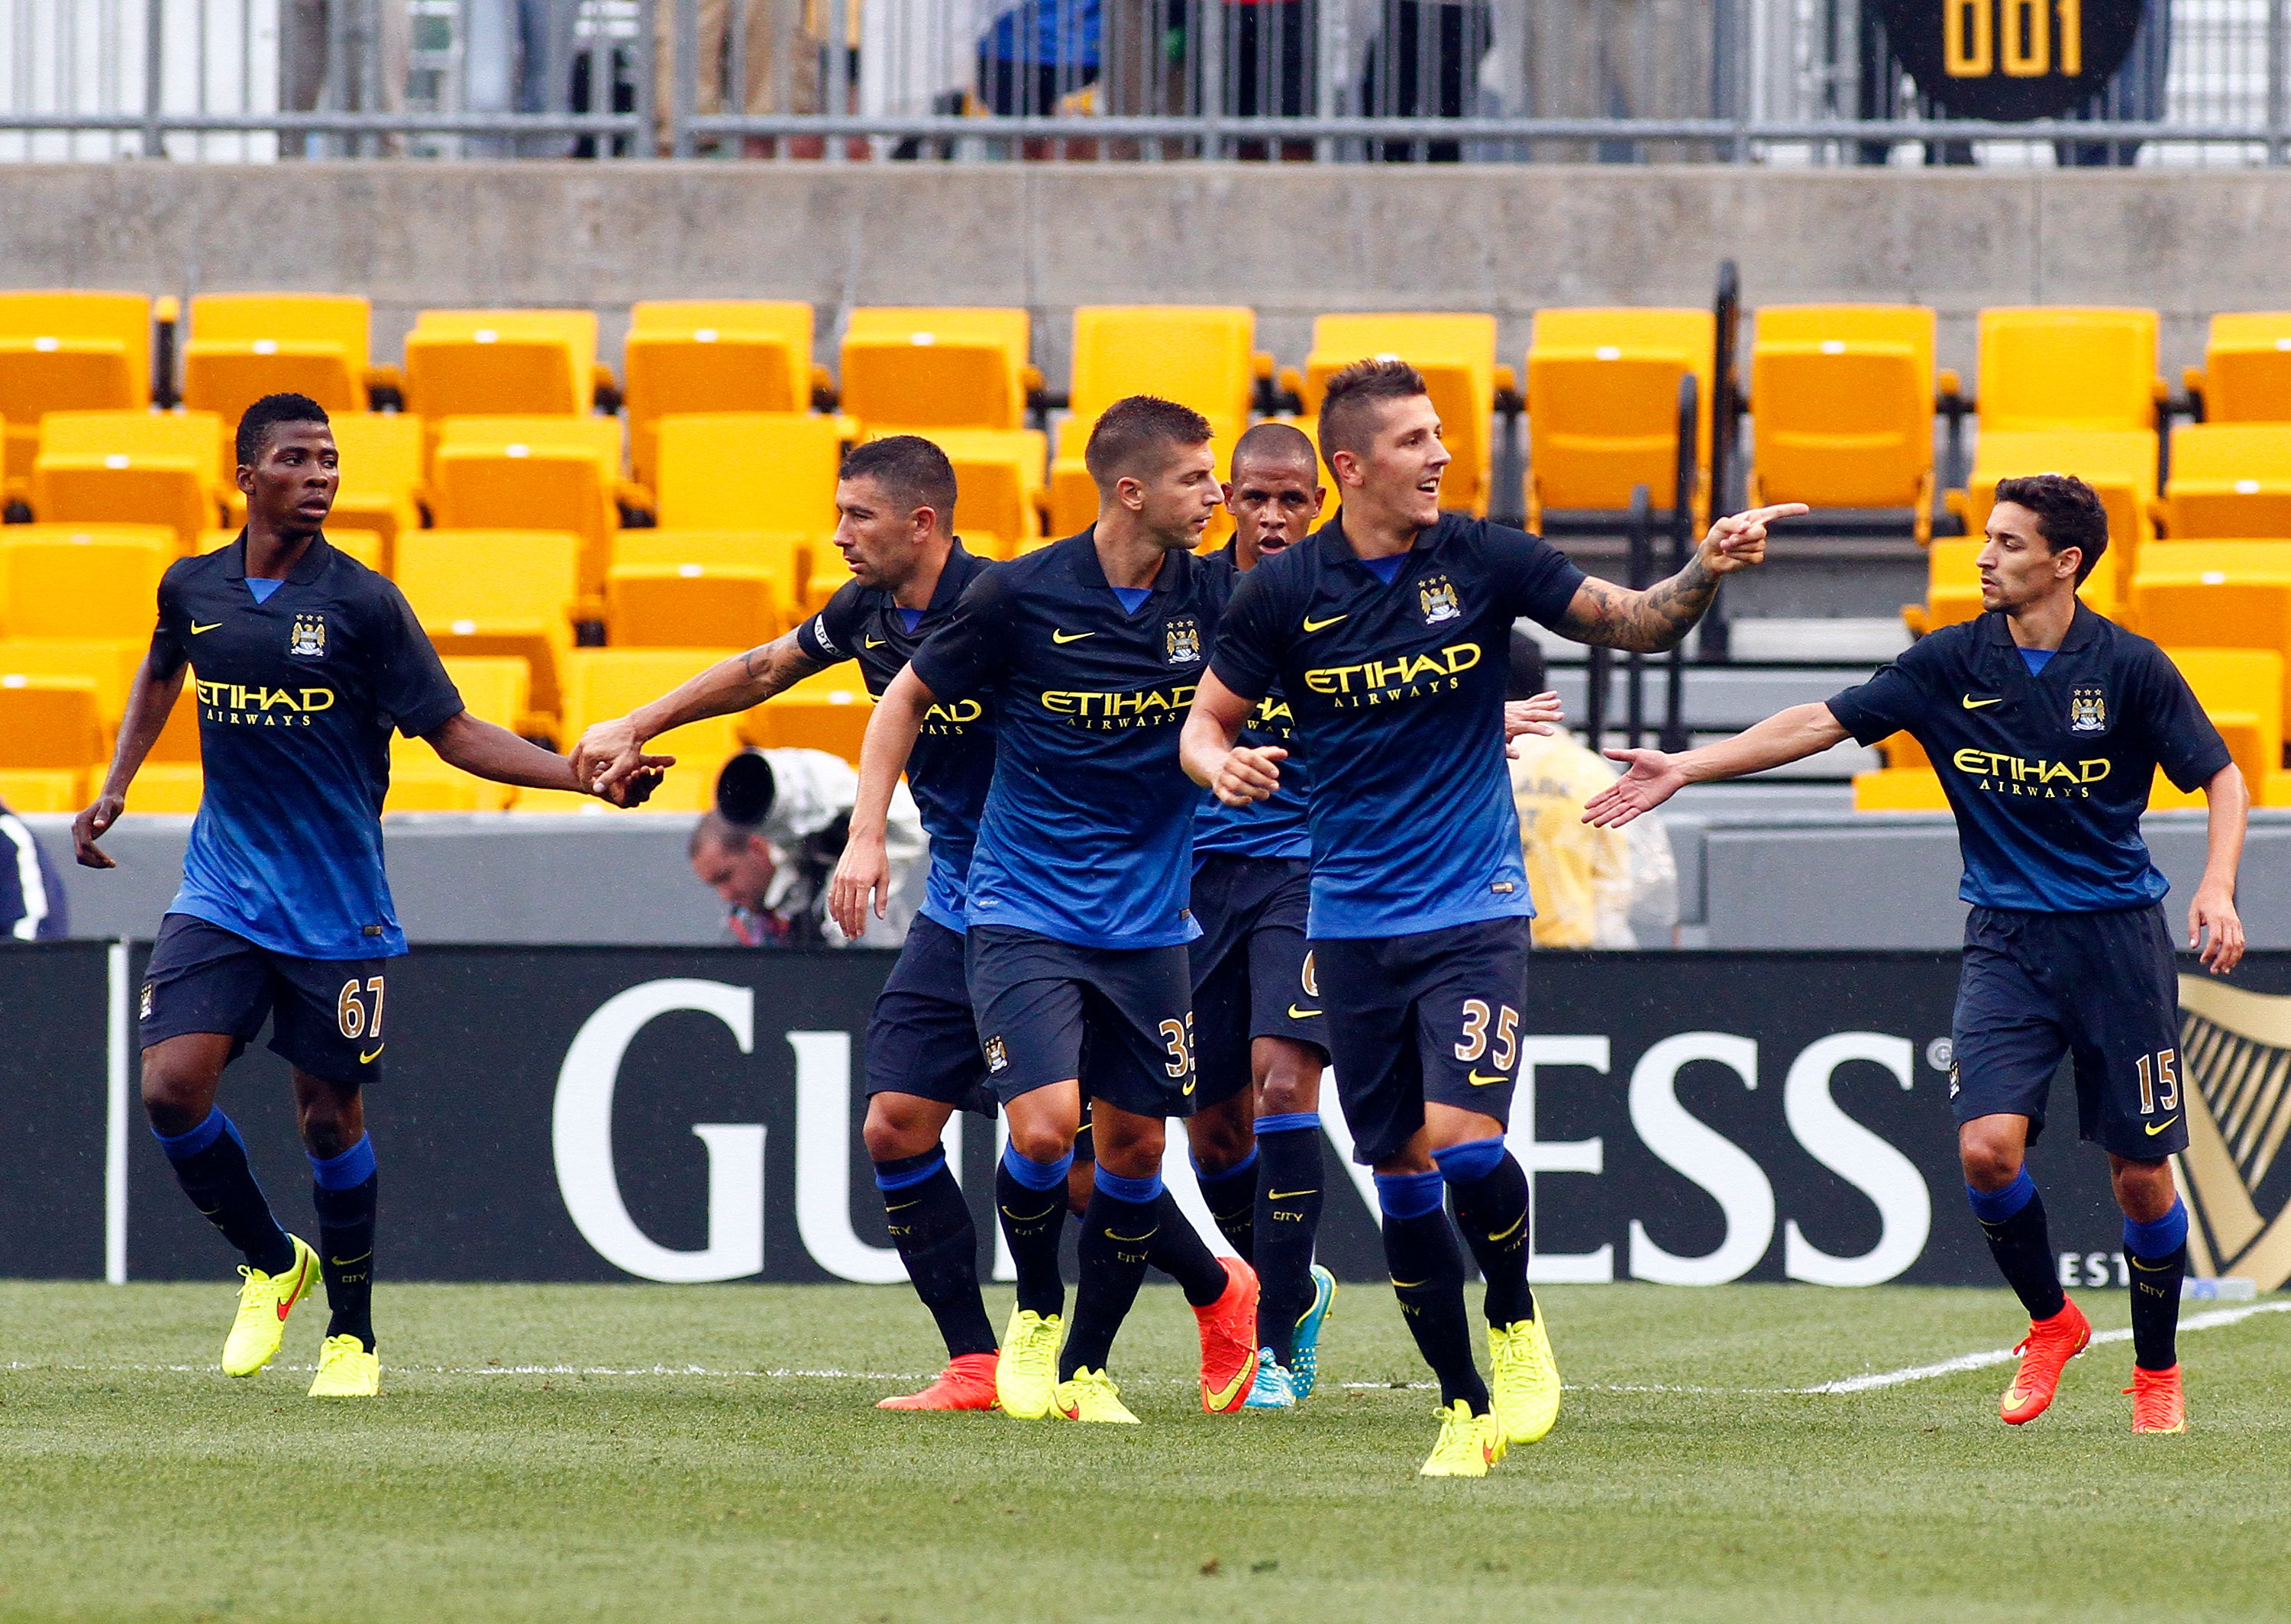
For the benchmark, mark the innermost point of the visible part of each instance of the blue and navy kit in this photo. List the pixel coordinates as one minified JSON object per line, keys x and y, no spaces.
{"x":1398,"y":687}
{"x":2047,"y":773}
{"x":298,"y":692}
{"x":1086,"y":835}
{"x":953,"y":758}
{"x":1275,"y":826}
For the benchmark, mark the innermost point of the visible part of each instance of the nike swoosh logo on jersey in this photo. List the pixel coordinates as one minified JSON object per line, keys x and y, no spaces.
{"x":1295,"y":1014}
{"x":2153,"y":1129}
{"x":1483,"y":1081}
{"x":211,"y":625}
{"x":367,"y":1058}
{"x":1971,"y":703}
{"x":1317,"y":625}
{"x":1070,"y":636}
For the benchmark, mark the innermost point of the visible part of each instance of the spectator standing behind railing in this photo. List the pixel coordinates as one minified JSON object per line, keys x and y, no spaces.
{"x":779,"y":40}
{"x":1036,"y":54}
{"x":769,"y":849}
{"x":31,"y":891}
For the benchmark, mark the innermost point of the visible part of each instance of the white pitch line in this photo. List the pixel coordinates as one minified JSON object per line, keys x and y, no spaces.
{"x":2000,"y":1355}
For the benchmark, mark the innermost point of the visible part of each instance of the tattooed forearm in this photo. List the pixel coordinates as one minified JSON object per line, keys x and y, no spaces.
{"x":1640,"y":623}
{"x":779,"y":664}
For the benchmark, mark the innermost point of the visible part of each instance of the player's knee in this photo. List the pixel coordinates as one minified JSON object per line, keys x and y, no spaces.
{"x":2145,"y":1190}
{"x":889,"y":1136}
{"x":1134,"y":1150}
{"x":1990,"y":1162}
{"x":1289,"y":1090}
{"x":175,"y":1100}
{"x":1221,"y":1144}
{"x":1043,"y":1142}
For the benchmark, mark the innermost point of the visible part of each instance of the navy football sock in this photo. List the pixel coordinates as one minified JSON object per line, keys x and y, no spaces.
{"x":1288,"y":1217}
{"x":2013,"y":1219}
{"x":930,"y":1223}
{"x":1428,"y":1276}
{"x":2157,"y":1253}
{"x":1119,"y":1229}
{"x":209,"y":1163}
{"x":1231,"y":1197}
{"x":1030,"y":1198}
{"x":344,"y":1189}
{"x":1490,"y":1190}
{"x":1180,"y":1252}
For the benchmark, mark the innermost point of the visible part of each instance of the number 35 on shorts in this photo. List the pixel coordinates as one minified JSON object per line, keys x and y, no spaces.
{"x":359,"y":1016}
{"x":1492,"y":1033}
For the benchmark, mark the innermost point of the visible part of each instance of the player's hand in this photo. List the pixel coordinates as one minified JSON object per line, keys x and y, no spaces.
{"x":635,"y":788}
{"x":2214,"y":910}
{"x":1738,"y":540}
{"x":1537,"y":715}
{"x":1248,"y":775}
{"x":88,"y":828}
{"x":1652,"y":779}
{"x":608,"y":753}
{"x":862,"y":876}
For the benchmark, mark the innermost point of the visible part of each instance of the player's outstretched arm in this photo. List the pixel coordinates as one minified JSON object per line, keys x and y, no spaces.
{"x":1538,"y":713}
{"x":610,"y":751}
{"x":150,"y":699}
{"x":488,"y":749}
{"x":1654,"y":777}
{"x":1235,"y":775}
{"x":1658,"y":618}
{"x":863,"y":873}
{"x":2213,"y":909}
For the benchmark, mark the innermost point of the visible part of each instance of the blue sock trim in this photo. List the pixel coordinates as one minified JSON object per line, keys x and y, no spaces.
{"x":1470,"y":1162}
{"x":1407,"y":1195}
{"x":912,"y":1176}
{"x":1289,"y":1121}
{"x":1995,"y":1206}
{"x":348,"y":1171}
{"x":2161,"y":1238}
{"x":1138,"y":1192}
{"x":183,"y":1147}
{"x":1036,"y":1175}
{"x":1209,"y":1181}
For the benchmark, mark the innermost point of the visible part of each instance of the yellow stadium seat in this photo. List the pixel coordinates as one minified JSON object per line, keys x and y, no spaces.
{"x":1000,"y":485}
{"x":2229,"y":480}
{"x":52,"y":724}
{"x":603,"y":683}
{"x":2119,"y":463}
{"x":109,"y":663}
{"x":156,"y":468}
{"x":245,"y":346}
{"x":1197,"y":355}
{"x":2246,"y":376}
{"x":492,"y":363}
{"x":919,"y":368}
{"x":2241,"y":690}
{"x":777,"y":553}
{"x":700,"y":355}
{"x":1602,"y":406}
{"x":497,"y":593}
{"x":673,"y":606}
{"x":68,"y":352}
{"x":43,"y":789}
{"x":1456,"y":354}
{"x":2216,"y":595}
{"x":491,"y":473}
{"x":826,"y":711}
{"x":1898,"y":789}
{"x":2066,"y":367}
{"x":1842,"y":408}
{"x":1902,"y":750}
{"x":753,"y":471}
{"x":61,"y":581}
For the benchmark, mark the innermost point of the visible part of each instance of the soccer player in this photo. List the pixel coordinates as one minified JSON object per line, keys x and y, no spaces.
{"x":2046,"y":723}
{"x":894,"y":505}
{"x":1259,"y":1040}
{"x":1388,"y":632}
{"x":304,"y":661}
{"x":1089,"y":650}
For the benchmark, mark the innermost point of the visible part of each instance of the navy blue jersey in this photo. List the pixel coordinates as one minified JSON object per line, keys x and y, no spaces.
{"x":953,"y":758}
{"x":31,"y":892}
{"x":297,"y":696}
{"x":1274,"y":827}
{"x":1398,"y":691}
{"x":2048,"y":774}
{"x":1087,"y":837}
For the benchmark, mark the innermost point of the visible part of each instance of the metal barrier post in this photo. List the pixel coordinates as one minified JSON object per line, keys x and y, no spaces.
{"x":1212,"y":25}
{"x":645,"y":142}
{"x":684,"y":91}
{"x":1711,"y":642}
{"x":2279,"y":139}
{"x":155,"y":56}
{"x":1642,"y":574}
{"x":1682,"y":547}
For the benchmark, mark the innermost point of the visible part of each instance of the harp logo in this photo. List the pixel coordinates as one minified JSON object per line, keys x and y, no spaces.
{"x":2235,"y":1059}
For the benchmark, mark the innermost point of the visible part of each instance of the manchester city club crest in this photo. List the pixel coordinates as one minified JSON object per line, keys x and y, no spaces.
{"x":998,"y":1058}
{"x":308,"y":636}
{"x":2234,"y":1046}
{"x":1435,"y":595}
{"x":1183,"y":641}
{"x":2088,"y":709}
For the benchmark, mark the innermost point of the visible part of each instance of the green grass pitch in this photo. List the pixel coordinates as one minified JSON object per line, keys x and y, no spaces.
{"x":656,"y":1454}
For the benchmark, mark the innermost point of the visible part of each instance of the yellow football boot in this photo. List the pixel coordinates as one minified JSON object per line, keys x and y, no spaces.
{"x":264,"y":1302}
{"x":1026,"y":1371}
{"x":346,"y":1369}
{"x":1091,"y":1396}
{"x":1524,"y":1394}
{"x":1468,"y":1445}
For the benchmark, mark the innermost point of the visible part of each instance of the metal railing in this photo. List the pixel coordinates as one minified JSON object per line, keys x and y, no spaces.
{"x":1775,"y":81}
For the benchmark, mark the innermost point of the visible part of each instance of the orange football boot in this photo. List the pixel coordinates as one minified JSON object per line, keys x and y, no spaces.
{"x":968,"y":1383}
{"x":2045,"y":1352}
{"x":1229,"y":1340}
{"x":2158,"y":1405}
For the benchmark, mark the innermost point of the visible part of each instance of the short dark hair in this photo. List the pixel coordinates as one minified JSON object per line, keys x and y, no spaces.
{"x":1530,"y":673}
{"x":2069,"y":513}
{"x":912,"y":471}
{"x":267,"y":414}
{"x":1273,"y":442}
{"x":1136,"y":428}
{"x":1348,"y":410}
{"x":720,"y":832}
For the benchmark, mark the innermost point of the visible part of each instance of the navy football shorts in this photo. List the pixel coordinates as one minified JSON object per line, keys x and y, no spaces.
{"x":2100,"y":988}
{"x":1252,"y":972}
{"x":920,"y":1038}
{"x":327,"y":1014}
{"x":1117,"y":1018}
{"x":1433,"y":1017}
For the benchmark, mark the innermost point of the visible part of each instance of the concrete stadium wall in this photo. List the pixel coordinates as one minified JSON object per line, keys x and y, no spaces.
{"x":1292,"y":241}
